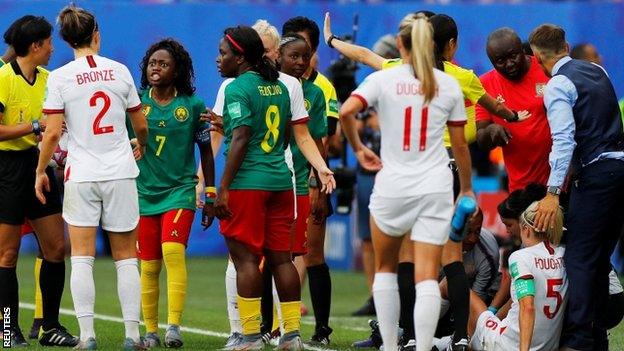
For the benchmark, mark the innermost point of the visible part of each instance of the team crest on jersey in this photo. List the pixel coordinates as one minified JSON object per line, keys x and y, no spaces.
{"x":539,"y":89}
{"x":147,"y":109}
{"x":181,"y":114}
{"x":174,"y":233}
{"x":306,"y":103}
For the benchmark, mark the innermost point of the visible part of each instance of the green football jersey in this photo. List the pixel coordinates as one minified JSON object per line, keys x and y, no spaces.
{"x":263,"y":106}
{"x":168,"y":169}
{"x":317,"y":124}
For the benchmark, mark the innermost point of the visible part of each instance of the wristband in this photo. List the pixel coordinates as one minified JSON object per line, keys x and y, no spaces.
{"x":329,"y":41}
{"x":210,"y":189}
{"x":492,"y":309}
{"x":36,"y":127}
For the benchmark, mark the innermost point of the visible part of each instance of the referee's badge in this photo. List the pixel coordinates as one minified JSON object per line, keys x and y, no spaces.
{"x":181,"y":114}
{"x":146,"y":110}
{"x":539,"y":89}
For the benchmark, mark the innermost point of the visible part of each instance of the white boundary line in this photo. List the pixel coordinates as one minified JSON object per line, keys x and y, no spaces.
{"x":104,"y":317}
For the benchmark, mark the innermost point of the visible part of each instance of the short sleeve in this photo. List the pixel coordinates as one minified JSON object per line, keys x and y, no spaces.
{"x":220,"y":100}
{"x":457,"y":116}
{"x":318,"y":119}
{"x":53,"y":103}
{"x":332,"y":103}
{"x":481,"y":113}
{"x":474,"y":89}
{"x":133,"y":100}
{"x":518,"y":268}
{"x":5,"y":86}
{"x":297,"y":103}
{"x":237,"y":107}
{"x":368,"y":92}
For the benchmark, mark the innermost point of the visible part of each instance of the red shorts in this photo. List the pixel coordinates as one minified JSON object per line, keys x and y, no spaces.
{"x":171,"y":226}
{"x":300,"y":237}
{"x":260,"y":219}
{"x":26,"y":229}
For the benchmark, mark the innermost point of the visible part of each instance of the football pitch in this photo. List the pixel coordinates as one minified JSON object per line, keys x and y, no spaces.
{"x":205,"y":315}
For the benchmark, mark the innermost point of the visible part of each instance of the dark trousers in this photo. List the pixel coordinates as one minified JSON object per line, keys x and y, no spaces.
{"x":594,"y":222}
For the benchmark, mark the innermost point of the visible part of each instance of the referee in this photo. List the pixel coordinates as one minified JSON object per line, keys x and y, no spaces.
{"x":587,"y":135}
{"x":22,"y":90}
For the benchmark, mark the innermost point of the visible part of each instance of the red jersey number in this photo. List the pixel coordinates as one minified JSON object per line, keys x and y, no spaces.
{"x":552,"y":293}
{"x":407,"y":128}
{"x":98,"y":119}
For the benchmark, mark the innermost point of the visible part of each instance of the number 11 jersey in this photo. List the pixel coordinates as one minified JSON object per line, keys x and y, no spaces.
{"x":414,"y":159}
{"x":94,"y":93}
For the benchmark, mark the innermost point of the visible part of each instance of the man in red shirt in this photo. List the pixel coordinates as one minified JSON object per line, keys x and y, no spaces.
{"x":518,"y":81}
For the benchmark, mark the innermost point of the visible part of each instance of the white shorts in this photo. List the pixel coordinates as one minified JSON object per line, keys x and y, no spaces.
{"x":113,"y":203}
{"x":487,"y":335}
{"x":428,"y":217}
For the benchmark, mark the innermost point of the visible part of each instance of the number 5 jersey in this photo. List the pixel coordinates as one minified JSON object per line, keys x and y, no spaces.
{"x":94,"y":93}
{"x":544,"y":264}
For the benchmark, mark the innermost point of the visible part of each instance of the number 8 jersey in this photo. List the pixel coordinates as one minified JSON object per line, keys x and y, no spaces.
{"x":415,"y":161}
{"x":94,"y":93}
{"x":265,"y":107}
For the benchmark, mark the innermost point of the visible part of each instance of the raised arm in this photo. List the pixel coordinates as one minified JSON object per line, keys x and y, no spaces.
{"x":354,"y":52}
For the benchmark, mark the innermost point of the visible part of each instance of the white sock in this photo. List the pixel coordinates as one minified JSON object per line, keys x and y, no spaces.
{"x":426,"y":313}
{"x":386,"y":296}
{"x":129,"y":291}
{"x":278,"y":307}
{"x":231,"y":293}
{"x":444,"y":306}
{"x":83,"y":293}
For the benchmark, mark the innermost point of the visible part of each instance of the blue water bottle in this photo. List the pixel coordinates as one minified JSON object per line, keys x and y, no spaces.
{"x":466,"y":206}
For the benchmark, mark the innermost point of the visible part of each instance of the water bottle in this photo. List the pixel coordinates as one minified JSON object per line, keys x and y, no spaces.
{"x":466,"y":206}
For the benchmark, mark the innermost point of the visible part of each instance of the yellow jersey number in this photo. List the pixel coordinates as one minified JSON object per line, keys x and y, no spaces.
{"x":272,"y":120}
{"x":160,"y":139}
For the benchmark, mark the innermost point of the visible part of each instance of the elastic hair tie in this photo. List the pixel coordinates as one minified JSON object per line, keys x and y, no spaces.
{"x":233,"y":42}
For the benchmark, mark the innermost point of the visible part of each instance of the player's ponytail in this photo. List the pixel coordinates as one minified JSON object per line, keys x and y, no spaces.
{"x":553,"y":233}
{"x":416,"y":35}
{"x":245,"y":41}
{"x":77,"y":26}
{"x":444,"y":30}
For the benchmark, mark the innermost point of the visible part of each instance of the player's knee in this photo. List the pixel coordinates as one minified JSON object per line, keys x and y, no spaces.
{"x":314,"y":258}
{"x":54,"y":251}
{"x":8,"y":257}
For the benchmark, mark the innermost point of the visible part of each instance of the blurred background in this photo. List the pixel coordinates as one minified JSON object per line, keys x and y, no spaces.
{"x":129,"y":27}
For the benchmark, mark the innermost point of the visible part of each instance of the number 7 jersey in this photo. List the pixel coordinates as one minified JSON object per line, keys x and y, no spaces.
{"x":94,"y":93}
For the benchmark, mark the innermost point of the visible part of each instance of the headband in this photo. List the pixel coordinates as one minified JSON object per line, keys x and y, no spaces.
{"x":234,"y":43}
{"x":286,"y":40}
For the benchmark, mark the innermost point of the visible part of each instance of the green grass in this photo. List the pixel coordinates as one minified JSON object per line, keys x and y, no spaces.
{"x":205,"y":306}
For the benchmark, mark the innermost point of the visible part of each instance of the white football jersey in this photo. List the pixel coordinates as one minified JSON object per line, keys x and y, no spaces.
{"x":544,"y":263}
{"x":94,"y":93}
{"x":415,"y":161}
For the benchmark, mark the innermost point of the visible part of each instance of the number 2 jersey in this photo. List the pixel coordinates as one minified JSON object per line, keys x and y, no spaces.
{"x":94,"y":93}
{"x":544,"y":263}
{"x":267,"y":108}
{"x":168,"y":168}
{"x":415,"y":161}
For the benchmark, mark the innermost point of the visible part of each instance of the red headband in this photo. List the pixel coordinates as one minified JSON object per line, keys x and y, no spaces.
{"x":233,"y":42}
